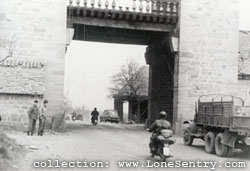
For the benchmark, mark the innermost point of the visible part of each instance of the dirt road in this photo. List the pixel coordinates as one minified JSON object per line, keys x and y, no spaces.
{"x":111,"y":143}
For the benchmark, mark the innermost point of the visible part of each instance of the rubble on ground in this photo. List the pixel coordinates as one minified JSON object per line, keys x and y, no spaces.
{"x":9,"y":150}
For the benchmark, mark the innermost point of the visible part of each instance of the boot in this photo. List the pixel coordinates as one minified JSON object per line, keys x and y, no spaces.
{"x":28,"y":133}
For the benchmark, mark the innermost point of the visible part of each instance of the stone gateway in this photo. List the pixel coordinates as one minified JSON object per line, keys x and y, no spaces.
{"x":192,"y":50}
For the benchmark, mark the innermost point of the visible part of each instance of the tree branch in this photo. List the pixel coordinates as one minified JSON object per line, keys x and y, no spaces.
{"x":5,"y":58}
{"x":10,"y":51}
{"x":129,"y":80}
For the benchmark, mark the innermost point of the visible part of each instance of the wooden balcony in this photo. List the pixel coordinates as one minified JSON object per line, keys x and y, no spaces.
{"x":149,"y":15}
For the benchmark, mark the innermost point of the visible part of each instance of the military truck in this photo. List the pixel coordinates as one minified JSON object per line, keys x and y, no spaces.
{"x":222,"y":121}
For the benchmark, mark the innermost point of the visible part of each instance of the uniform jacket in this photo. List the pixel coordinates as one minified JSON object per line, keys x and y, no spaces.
{"x":94,"y":114}
{"x":42,"y":112}
{"x":33,"y":112}
{"x":160,"y":124}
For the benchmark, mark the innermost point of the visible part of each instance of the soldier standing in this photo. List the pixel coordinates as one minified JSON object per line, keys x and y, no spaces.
{"x":42,"y":117}
{"x":33,"y":114}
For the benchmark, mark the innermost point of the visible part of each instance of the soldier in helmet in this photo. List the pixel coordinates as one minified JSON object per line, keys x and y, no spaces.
{"x":157,"y":126}
{"x":160,"y":123}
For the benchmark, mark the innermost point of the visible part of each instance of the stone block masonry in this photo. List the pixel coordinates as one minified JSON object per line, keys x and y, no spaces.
{"x":37,"y":29}
{"x":244,"y":53}
{"x":22,"y":77}
{"x":21,"y":82}
{"x":208,"y":52}
{"x":207,"y":60}
{"x":14,"y":109}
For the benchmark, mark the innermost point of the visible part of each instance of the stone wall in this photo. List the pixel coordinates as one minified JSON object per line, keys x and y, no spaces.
{"x":243,"y":91}
{"x":244,"y":52}
{"x":37,"y":31}
{"x":208,"y":52}
{"x":22,"y":77}
{"x":244,"y":67}
{"x":21,"y":82}
{"x":14,"y":109}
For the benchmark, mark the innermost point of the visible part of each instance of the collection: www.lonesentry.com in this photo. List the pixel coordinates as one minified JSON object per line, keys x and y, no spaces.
{"x":135,"y":164}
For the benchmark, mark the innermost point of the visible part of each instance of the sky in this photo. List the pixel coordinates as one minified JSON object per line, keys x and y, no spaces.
{"x":89,"y":66}
{"x":244,"y":13}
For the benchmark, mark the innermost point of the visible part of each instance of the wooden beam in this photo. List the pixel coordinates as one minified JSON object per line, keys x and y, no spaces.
{"x":121,"y":24}
{"x":116,"y":35}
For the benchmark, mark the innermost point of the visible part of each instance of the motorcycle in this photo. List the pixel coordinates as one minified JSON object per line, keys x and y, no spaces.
{"x":76,"y":117}
{"x":94,"y":121}
{"x":160,"y":144}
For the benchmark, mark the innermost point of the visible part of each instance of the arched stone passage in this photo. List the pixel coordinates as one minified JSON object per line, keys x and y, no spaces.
{"x":154,"y":32}
{"x":207,"y":61}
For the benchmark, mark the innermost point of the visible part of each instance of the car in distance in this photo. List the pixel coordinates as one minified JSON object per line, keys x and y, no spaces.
{"x":110,"y":116}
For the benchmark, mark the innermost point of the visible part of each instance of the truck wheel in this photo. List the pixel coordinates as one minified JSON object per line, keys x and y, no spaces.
{"x":210,"y":142}
{"x":163,"y":158}
{"x":245,"y":148}
{"x":230,"y":152}
{"x":187,"y":138}
{"x":220,"y":149}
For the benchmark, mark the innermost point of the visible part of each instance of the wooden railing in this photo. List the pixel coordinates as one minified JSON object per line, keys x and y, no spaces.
{"x":158,"y":7}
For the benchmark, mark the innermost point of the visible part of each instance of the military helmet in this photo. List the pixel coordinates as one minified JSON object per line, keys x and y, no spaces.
{"x":163,"y":113}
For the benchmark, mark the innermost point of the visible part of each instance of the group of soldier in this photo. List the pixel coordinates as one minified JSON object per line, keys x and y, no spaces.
{"x":37,"y":112}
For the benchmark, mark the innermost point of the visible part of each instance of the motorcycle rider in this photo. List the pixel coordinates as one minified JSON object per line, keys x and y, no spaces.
{"x":157,"y":126}
{"x":94,"y":115}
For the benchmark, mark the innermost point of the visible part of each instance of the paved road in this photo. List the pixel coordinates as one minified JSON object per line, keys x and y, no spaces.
{"x":111,"y":143}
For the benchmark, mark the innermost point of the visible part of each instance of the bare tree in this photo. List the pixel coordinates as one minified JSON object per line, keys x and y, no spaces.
{"x":8,"y":48}
{"x":130,"y":80}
